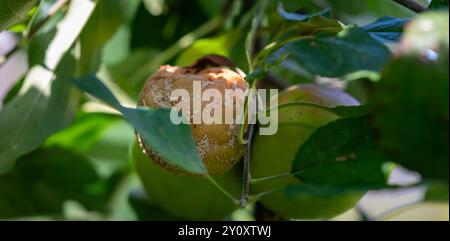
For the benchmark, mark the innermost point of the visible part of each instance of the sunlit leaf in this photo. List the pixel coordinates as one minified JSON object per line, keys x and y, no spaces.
{"x":43,"y":106}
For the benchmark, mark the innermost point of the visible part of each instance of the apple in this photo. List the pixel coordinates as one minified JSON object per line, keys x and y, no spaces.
{"x":217,"y":142}
{"x":273,"y":155}
{"x":185,"y":196}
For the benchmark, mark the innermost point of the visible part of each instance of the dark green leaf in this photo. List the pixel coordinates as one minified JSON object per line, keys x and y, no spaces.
{"x":438,"y":4}
{"x":44,"y":105}
{"x":352,"y":50}
{"x":14,"y":11}
{"x":110,"y":151}
{"x":341,"y":154}
{"x":42,"y":180}
{"x":123,"y":72}
{"x":411,"y":114}
{"x":386,"y":29}
{"x":174,"y":142}
{"x":102,"y":25}
{"x":301,"y":17}
{"x":377,"y":8}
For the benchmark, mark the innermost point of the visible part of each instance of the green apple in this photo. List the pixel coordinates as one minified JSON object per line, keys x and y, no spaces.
{"x":273,"y":155}
{"x":185,"y":196}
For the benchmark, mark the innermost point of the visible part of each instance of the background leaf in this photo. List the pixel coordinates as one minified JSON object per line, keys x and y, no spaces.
{"x":410,"y":114}
{"x":102,"y":25}
{"x":438,"y":4}
{"x":43,"y":106}
{"x":352,"y":50}
{"x":216,"y":45}
{"x":341,"y":154}
{"x":14,"y":11}
{"x":40,"y":184}
{"x":386,"y":29}
{"x":83,"y":133}
{"x":301,"y":17}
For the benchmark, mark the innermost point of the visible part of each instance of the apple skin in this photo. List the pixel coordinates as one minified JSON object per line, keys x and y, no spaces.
{"x":272,"y":155}
{"x":185,"y":196}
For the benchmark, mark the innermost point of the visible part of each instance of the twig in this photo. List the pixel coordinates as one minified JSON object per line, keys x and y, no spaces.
{"x":411,"y":4}
{"x":246,"y":170}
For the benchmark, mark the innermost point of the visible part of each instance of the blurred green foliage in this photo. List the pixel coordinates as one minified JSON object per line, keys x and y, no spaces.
{"x":65,"y":155}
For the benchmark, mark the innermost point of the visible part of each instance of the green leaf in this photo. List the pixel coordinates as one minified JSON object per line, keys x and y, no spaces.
{"x":438,"y":4}
{"x":110,"y":152}
{"x":123,"y":72}
{"x":42,"y":180}
{"x":41,"y":13}
{"x":37,"y":46}
{"x":251,"y":35}
{"x":352,"y":50}
{"x":174,"y":142}
{"x":301,"y":17}
{"x":387,"y":29}
{"x":219,"y":45}
{"x":411,"y":113}
{"x":377,"y":8}
{"x":46,"y":102}
{"x":118,"y":47}
{"x":44,"y":105}
{"x":107,"y":17}
{"x":14,"y":11}
{"x":83,"y":133}
{"x":341,"y":154}
{"x":211,"y":8}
